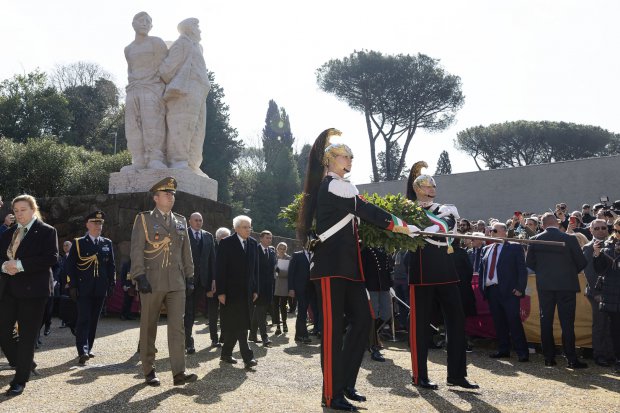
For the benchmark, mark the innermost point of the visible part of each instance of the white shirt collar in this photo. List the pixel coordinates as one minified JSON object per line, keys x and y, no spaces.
{"x":28,"y":225}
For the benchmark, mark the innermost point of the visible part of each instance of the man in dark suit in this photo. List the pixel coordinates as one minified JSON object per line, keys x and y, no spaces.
{"x":557,"y":284}
{"x":203,"y":254}
{"x":502,"y":281}
{"x":265,"y":282}
{"x":235,"y":280}
{"x":300,"y":286}
{"x":91,"y":276}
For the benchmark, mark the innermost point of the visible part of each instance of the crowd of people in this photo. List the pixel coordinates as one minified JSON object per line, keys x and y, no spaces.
{"x":350,"y":292}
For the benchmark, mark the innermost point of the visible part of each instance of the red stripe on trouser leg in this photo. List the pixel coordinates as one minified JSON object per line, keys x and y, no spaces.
{"x":413,"y":342}
{"x":327,"y":341}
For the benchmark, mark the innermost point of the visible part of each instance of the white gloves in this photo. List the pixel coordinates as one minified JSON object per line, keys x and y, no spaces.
{"x":413,"y":230}
{"x":446,"y":210}
{"x":432,"y":228}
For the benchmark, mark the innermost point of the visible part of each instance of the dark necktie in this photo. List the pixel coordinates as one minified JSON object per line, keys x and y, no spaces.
{"x":96,"y":241}
{"x":493,"y":262}
{"x":197,"y":236}
{"x":245,"y":246}
{"x":476,"y":259}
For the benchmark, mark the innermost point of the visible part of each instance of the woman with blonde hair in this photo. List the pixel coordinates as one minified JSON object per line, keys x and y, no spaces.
{"x":28,"y":251}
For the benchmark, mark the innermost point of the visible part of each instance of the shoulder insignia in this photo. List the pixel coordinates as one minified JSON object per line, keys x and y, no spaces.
{"x":343,"y":189}
{"x":179,"y":215}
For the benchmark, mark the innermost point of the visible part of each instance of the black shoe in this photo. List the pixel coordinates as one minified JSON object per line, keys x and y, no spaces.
{"x":285,"y":328}
{"x":601,"y":361}
{"x":216,"y":344}
{"x":184,"y":378}
{"x":91,"y":355}
{"x":463,"y":382}
{"x":617,"y":367}
{"x":499,"y":355}
{"x":577,"y":365}
{"x":377,"y":356}
{"x":524,"y":359}
{"x":550,"y":363}
{"x":190,"y":350}
{"x":83,"y":359}
{"x":278,"y":331}
{"x":251,"y":363}
{"x":15,"y":390}
{"x":253,"y":339}
{"x":33,"y":369}
{"x":267,"y":343}
{"x":426,"y":384}
{"x":304,"y":340}
{"x":228,"y":359}
{"x":469,"y":349}
{"x":63,"y":325}
{"x":340,"y":403}
{"x":151,"y":379}
{"x":352,"y":394}
{"x":47,"y":331}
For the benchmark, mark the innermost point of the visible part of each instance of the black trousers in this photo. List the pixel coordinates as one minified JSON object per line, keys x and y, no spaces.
{"x":341,"y":355}
{"x":566,"y":302}
{"x":89,"y":309}
{"x":127,"y":302}
{"x":191,"y":308}
{"x":506,"y":313}
{"x":602,"y":346}
{"x":213,"y":306}
{"x":301,"y":323}
{"x":279,"y":309}
{"x":49,"y":309}
{"x":421,"y":299}
{"x":259,"y":321}
{"x":615,"y":333}
{"x":28,"y":312}
{"x":230,"y":338}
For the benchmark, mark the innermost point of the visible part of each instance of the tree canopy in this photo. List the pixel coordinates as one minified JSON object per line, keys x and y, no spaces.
{"x":520,"y":143}
{"x":398,"y":94}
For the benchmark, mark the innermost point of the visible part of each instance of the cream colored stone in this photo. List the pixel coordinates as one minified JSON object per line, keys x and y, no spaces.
{"x":145,"y":110}
{"x":187,"y":85}
{"x":142,"y":180}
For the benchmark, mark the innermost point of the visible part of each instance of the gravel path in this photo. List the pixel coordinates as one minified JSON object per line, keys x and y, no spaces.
{"x":288,"y":379}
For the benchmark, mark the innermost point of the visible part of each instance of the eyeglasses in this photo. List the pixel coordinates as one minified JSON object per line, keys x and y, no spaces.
{"x":599,"y":228}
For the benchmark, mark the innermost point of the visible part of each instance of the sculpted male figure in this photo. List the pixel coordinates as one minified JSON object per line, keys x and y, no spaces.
{"x":187,"y":86}
{"x":145,"y":110}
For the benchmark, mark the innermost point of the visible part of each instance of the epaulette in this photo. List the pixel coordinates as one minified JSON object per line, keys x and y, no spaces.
{"x":343,"y":189}
{"x":179,"y":215}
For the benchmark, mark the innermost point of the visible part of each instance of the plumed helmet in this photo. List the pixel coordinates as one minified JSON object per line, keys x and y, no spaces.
{"x":418,"y":180}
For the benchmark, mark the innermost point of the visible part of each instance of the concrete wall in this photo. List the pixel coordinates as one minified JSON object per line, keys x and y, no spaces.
{"x":535,"y":188}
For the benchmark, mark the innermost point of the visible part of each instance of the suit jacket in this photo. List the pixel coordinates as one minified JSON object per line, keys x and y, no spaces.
{"x":298,"y":272}
{"x":510,"y":266}
{"x":166,"y":265}
{"x":236,"y":272}
{"x":203,"y":255}
{"x":266,"y":274}
{"x":556,"y":268}
{"x":38,"y":252}
{"x":94,"y":279}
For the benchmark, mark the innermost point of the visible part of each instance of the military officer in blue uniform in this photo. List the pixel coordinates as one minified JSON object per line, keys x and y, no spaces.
{"x":91,"y":276}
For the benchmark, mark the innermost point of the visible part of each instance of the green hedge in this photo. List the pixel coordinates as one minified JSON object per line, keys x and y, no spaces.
{"x":43,"y":167}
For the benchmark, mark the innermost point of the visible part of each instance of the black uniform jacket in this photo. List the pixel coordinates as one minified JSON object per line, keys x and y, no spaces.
{"x":203,"y":254}
{"x":38,"y":252}
{"x":432,"y":264}
{"x":91,"y":278}
{"x":339,"y":255}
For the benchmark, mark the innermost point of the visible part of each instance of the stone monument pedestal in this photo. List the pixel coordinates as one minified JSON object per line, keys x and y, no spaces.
{"x":142,"y":180}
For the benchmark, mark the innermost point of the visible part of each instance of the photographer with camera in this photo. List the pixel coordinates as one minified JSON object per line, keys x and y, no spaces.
{"x":9,"y":220}
{"x":607,"y":262}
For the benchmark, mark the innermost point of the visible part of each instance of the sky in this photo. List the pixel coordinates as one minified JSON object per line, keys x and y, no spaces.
{"x":517,"y":60}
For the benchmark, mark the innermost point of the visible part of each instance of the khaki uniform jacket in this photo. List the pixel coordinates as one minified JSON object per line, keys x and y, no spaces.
{"x":161,"y":251}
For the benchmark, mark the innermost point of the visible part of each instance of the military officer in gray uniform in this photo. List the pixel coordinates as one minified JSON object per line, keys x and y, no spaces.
{"x":162,"y":268}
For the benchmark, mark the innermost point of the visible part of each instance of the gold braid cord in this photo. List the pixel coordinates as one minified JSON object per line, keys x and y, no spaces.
{"x":159,"y":247}
{"x":85,"y":263}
